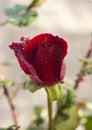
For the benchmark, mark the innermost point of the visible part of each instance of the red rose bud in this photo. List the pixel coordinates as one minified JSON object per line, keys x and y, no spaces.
{"x":42,"y":58}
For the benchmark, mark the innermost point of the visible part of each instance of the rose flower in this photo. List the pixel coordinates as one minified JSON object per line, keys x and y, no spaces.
{"x":42,"y":58}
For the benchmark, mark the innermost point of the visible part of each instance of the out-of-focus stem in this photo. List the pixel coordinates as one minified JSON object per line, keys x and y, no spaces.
{"x":88,"y":55}
{"x":13,"y":111}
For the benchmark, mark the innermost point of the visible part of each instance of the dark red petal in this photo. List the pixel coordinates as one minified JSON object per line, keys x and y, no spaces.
{"x":47,"y":58}
{"x":47,"y":66}
{"x":46,"y":52}
{"x":62,"y":46}
{"x":25,"y":65}
{"x":34,"y":42}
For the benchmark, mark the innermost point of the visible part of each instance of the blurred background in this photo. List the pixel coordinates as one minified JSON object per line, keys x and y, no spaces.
{"x":70,"y":19}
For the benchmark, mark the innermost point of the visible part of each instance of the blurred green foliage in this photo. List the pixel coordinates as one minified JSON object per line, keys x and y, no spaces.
{"x":22,"y":15}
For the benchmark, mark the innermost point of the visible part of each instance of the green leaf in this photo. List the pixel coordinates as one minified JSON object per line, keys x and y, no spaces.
{"x":38,"y":110}
{"x":88,"y":124}
{"x":31,"y":86}
{"x":70,"y":122}
{"x":71,"y":96}
{"x":66,"y":101}
{"x":67,"y":112}
{"x":19,"y":16}
{"x":38,"y":121}
{"x":87,"y":68}
{"x":25,"y":19}
{"x":15,"y":10}
{"x":89,"y":71}
{"x":55,"y":92}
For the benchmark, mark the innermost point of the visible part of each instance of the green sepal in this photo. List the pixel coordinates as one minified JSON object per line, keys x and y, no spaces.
{"x":55,"y":92}
{"x":31,"y":86}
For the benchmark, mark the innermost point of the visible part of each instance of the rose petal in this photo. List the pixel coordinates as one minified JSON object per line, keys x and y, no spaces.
{"x":25,"y":65}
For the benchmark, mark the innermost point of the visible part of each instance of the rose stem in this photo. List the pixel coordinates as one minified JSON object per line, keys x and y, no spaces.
{"x":13,"y":111}
{"x":29,"y":6}
{"x":50,"y":114}
{"x":88,"y":55}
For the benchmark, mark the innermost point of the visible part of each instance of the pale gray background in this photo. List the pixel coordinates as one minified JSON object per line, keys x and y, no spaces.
{"x":70,"y":19}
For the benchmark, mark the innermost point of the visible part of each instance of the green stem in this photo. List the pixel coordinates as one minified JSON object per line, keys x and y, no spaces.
{"x":30,"y":5}
{"x":50,"y":114}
